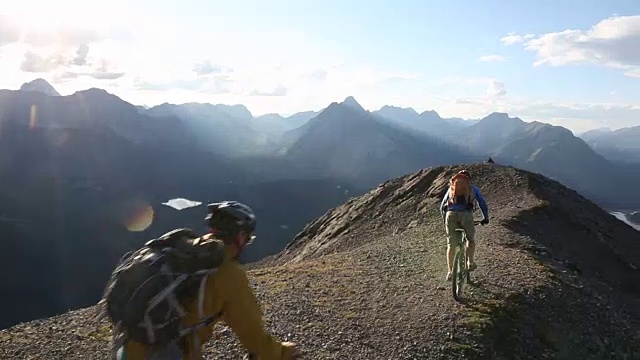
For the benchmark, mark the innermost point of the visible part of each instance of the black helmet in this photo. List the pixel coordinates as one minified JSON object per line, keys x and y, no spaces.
{"x":231,"y":215}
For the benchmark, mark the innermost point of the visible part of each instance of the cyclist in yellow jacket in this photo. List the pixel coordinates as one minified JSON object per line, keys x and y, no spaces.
{"x":228,"y":292}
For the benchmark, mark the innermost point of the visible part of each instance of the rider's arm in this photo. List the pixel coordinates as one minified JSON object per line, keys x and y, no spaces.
{"x":242,"y":313}
{"x":443,"y":202}
{"x":482,"y":202}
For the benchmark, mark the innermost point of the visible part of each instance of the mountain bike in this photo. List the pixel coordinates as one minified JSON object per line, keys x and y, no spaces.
{"x":460,"y":274}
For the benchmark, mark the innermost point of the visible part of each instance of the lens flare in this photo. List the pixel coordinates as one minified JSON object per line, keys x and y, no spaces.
{"x":33,"y":117}
{"x":139,"y":216}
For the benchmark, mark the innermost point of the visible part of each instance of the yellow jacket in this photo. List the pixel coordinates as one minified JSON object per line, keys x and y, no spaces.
{"x":227,"y":291}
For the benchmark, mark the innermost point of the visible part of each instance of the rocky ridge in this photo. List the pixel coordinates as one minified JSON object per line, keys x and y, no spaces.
{"x":557,"y":279}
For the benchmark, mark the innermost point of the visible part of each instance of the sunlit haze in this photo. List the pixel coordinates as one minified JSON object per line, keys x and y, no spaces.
{"x":570,"y":63}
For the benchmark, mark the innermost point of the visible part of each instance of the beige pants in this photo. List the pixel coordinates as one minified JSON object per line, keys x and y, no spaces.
{"x":459,"y":220}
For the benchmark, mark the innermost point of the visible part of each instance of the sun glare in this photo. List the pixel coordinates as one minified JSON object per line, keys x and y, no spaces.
{"x":43,"y":16}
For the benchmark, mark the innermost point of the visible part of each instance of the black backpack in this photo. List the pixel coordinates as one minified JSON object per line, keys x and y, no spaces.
{"x":147,"y":294}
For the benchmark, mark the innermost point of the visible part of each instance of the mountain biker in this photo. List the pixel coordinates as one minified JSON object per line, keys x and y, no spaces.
{"x":457,"y":211}
{"x":227,"y":292}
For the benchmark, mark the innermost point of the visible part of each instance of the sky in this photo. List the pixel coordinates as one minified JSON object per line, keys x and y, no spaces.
{"x":574,"y":63}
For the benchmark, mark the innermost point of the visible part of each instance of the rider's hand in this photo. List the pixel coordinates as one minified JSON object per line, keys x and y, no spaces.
{"x":484,"y":221}
{"x":295,"y":351}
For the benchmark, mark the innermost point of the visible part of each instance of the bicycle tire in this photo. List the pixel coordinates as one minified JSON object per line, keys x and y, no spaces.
{"x":464,"y":262}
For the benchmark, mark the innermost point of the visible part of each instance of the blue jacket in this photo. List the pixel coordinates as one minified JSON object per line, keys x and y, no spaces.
{"x":455,"y":207}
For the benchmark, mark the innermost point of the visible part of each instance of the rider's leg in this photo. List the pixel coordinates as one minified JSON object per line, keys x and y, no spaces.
{"x":450,"y":254}
{"x":454,"y":238}
{"x":470,"y":232}
{"x":471,"y":248}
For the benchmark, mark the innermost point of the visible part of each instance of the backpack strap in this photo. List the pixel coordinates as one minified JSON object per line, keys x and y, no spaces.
{"x":172,"y":299}
{"x":472,"y":195}
{"x":168,"y":292}
{"x":204,"y":320}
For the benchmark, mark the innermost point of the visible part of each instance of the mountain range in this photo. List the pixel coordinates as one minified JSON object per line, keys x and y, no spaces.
{"x":345,"y":141}
{"x":620,"y":145}
{"x":84,"y":176}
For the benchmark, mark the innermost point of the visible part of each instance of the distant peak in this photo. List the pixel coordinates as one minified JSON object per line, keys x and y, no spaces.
{"x":501,"y":117}
{"x":497,"y":114}
{"x":237,"y":110}
{"x":40,"y":85}
{"x":398,"y":109}
{"x":352,"y":103}
{"x":95,"y":92}
{"x":431,"y":114}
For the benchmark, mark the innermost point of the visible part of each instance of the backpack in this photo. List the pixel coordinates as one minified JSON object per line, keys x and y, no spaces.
{"x":461,"y":192}
{"x":148,"y":291}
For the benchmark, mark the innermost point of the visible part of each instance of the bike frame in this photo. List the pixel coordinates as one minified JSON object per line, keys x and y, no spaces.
{"x":460,"y":269}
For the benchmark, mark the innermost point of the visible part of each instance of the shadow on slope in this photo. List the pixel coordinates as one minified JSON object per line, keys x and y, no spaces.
{"x":558,"y":319}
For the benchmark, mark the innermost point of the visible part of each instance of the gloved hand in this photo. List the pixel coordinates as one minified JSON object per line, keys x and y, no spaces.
{"x":296,"y":353}
{"x":484,"y":221}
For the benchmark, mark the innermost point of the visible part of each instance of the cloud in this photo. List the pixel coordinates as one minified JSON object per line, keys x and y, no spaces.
{"x":591,"y":111}
{"x":12,"y":31}
{"x":206,"y":68}
{"x":106,"y":75}
{"x":468,"y":102}
{"x":579,"y":117}
{"x":492,"y":58}
{"x":106,"y":71}
{"x":613,"y":43}
{"x":9,"y":30}
{"x":218,"y":84}
{"x":81,"y":55}
{"x":35,"y":63}
{"x":317,"y":75}
{"x":151,"y":57}
{"x":190,"y":84}
{"x":513,"y":38}
{"x":98,"y":75}
{"x":495,"y":89}
{"x":69,"y":75}
{"x":63,"y":23}
{"x":65,"y":65}
{"x":575,"y":116}
{"x":278,"y":91}
{"x":60,"y":66}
